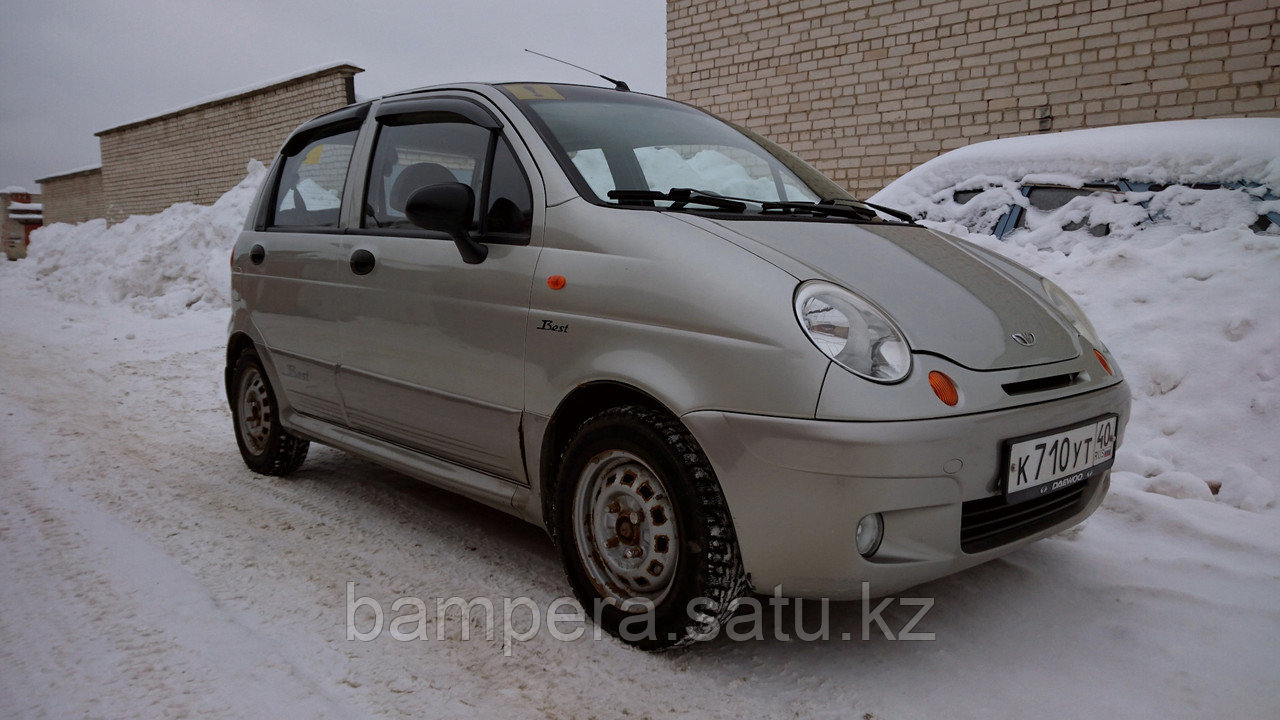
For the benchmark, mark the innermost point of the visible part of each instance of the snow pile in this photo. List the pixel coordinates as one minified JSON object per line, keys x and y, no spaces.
{"x":1185,"y":303}
{"x":989,"y":176}
{"x":1183,"y":151}
{"x":1190,"y":316}
{"x":160,"y":264}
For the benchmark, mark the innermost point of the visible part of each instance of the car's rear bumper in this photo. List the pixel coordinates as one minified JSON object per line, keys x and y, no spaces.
{"x":797,"y":489}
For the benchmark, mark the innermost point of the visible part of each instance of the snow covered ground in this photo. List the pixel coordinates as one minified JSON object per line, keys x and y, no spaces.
{"x":144,"y":572}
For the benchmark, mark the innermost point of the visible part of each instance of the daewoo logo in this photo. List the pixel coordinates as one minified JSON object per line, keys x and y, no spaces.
{"x":1024,"y":339}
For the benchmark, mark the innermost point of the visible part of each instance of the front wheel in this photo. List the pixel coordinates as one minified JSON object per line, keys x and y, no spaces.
{"x":644,"y":531}
{"x":265,"y":445}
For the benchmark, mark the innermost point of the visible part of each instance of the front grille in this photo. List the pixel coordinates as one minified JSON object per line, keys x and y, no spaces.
{"x":1053,"y":382}
{"x":990,"y":522}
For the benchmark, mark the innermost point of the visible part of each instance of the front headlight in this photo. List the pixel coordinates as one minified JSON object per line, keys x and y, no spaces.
{"x":1075,"y":315}
{"x":851,"y":331}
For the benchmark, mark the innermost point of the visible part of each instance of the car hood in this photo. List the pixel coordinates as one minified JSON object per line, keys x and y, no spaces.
{"x":948,"y":300}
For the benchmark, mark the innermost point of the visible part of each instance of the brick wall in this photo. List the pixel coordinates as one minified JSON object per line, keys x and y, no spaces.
{"x":13,"y":230}
{"x":198,"y":153}
{"x":73,"y":197}
{"x":865,"y":90}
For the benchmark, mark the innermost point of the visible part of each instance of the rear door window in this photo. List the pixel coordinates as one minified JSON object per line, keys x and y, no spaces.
{"x":310,"y":185}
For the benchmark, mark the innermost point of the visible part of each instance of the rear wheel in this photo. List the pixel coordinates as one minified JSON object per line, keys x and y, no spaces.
{"x":265,"y":445}
{"x":644,"y":531}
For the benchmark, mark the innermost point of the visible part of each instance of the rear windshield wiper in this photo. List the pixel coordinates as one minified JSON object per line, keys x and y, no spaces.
{"x":679,"y":198}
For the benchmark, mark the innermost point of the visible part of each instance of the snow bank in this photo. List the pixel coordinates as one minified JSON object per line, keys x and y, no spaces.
{"x":160,"y":264}
{"x":1190,"y":315}
{"x":1223,"y":150}
{"x":1232,"y":151}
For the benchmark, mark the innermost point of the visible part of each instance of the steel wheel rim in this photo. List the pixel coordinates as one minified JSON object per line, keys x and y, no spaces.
{"x":256,"y":411}
{"x":625,"y":529}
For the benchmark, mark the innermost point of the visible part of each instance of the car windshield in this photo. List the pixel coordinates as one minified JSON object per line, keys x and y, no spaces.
{"x":627,"y":148}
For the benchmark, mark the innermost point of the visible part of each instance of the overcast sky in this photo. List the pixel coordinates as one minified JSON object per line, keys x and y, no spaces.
{"x":70,"y":69}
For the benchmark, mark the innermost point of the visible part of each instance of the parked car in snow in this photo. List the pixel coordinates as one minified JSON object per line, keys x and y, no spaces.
{"x":1200,"y":173}
{"x":701,"y":365}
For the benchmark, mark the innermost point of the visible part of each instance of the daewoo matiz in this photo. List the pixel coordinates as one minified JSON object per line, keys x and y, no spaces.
{"x":701,"y":365}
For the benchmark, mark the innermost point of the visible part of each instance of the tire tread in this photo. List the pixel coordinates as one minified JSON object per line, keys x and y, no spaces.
{"x":725,"y":579}
{"x":285,"y":452}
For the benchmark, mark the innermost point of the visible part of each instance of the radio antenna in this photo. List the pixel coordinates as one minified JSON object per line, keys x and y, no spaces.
{"x":617,"y":84}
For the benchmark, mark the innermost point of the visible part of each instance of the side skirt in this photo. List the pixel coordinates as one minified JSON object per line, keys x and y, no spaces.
{"x":482,"y":487}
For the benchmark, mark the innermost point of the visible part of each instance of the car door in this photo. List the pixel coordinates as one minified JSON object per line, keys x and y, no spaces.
{"x":433,"y":347}
{"x":294,"y":257}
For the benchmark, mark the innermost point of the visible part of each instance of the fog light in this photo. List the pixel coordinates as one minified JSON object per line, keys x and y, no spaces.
{"x":870,"y":533}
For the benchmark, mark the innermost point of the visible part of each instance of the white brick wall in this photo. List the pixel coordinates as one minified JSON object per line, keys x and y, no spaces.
{"x":865,"y":90}
{"x":73,"y":198}
{"x":196,"y":155}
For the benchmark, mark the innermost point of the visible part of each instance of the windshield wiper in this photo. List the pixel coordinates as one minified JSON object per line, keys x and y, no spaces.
{"x":679,"y":198}
{"x":891,"y":212}
{"x":818,"y":209}
{"x":854,"y":210}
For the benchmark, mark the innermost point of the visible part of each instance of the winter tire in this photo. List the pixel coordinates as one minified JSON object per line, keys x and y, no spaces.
{"x":266,"y":446}
{"x":645,"y":535}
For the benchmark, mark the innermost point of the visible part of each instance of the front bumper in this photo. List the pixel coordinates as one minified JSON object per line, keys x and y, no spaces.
{"x":797,"y":488}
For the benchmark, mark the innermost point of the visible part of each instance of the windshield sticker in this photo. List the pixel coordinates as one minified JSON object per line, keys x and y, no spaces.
{"x":534,"y":92}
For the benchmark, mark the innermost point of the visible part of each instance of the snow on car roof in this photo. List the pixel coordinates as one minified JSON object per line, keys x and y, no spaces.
{"x":1218,"y":150}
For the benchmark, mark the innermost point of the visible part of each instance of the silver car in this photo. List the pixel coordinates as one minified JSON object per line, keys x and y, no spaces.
{"x":701,"y":365}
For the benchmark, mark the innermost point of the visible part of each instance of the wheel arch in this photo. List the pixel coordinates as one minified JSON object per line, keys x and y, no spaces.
{"x":236,"y":345}
{"x":583,"y":402}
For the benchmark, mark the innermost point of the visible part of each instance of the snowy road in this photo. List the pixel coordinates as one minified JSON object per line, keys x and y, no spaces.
{"x":144,"y":572}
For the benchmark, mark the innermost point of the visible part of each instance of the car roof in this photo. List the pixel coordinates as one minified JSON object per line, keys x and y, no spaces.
{"x":1185,"y":151}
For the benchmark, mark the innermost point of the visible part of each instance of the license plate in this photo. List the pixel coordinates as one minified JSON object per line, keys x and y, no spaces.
{"x":1047,"y":462}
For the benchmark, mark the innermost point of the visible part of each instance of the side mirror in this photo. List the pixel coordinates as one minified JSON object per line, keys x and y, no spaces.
{"x":447,"y":208}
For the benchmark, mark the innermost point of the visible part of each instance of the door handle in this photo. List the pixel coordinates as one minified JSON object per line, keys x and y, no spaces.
{"x":257,"y":254}
{"x":362,"y":262}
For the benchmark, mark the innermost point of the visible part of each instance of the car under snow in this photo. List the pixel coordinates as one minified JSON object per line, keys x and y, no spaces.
{"x":1107,"y":182}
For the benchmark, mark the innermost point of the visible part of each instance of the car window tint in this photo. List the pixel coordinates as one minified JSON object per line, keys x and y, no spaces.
{"x":510,"y":202}
{"x":409,"y":157}
{"x":310,"y":187}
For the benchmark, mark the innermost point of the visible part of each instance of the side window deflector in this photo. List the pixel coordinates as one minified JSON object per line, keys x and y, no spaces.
{"x":420,"y":110}
{"x":442,"y":164}
{"x":349,"y":117}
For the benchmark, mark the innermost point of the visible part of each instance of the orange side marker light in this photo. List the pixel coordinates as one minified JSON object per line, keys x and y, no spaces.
{"x":944,"y":388}
{"x":1105,"y":365}
{"x":556,"y":282}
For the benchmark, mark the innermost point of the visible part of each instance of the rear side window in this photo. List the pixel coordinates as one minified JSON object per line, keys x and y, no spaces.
{"x":309,"y":188}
